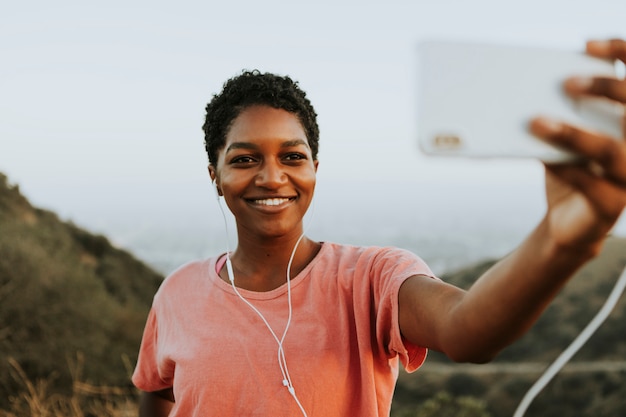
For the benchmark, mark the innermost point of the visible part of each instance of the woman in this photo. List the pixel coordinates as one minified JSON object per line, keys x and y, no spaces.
{"x":285,"y":325}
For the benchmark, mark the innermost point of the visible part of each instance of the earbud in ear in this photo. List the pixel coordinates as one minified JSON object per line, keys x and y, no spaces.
{"x":215,"y":189}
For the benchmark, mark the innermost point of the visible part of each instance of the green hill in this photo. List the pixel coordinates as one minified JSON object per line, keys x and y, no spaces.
{"x":593,"y":388}
{"x":66,"y":296}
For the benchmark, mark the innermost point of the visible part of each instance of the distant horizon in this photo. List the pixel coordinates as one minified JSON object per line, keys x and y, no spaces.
{"x":449,"y":226}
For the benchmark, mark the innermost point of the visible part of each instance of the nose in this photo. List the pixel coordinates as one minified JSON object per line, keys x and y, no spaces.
{"x":271,"y":175}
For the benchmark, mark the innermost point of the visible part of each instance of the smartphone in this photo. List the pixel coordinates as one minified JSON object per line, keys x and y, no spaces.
{"x":476,"y":100}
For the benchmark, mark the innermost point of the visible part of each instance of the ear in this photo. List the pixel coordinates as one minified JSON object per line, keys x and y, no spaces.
{"x":215,"y":179}
{"x":212,"y":173}
{"x":315,"y":164}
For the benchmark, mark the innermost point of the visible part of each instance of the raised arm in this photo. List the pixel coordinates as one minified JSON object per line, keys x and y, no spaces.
{"x":585,"y":200}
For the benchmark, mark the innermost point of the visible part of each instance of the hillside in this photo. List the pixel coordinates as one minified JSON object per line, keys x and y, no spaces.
{"x":594,"y":387}
{"x":67,"y":298}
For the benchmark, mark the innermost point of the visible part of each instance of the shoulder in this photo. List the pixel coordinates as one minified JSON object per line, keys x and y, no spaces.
{"x":332,"y":249}
{"x":373,"y":258}
{"x":185,"y":278}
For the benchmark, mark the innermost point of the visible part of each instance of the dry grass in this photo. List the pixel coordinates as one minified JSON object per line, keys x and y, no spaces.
{"x":38,"y":398}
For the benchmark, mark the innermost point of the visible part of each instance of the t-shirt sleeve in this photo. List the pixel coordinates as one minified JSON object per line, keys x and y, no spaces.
{"x":392,"y":267}
{"x":149,"y":374}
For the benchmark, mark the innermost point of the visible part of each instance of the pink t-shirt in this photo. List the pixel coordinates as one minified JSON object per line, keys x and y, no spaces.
{"x":342,"y":348}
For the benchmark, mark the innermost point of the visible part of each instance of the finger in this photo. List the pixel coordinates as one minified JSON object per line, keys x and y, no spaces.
{"x":607,"y":153}
{"x":597,"y":86}
{"x":609,"y":49}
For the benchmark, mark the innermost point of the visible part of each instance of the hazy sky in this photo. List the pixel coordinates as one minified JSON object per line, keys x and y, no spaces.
{"x":101,"y":103}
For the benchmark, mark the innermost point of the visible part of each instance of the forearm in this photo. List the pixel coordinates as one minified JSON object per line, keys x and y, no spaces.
{"x":504,"y":303}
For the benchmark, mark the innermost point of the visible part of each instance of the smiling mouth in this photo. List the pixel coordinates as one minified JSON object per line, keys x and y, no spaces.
{"x":272,"y":201}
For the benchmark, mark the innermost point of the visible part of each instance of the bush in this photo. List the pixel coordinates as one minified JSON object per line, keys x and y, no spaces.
{"x":445,"y":405}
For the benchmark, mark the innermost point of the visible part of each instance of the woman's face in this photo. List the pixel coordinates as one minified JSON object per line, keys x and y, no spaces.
{"x":266,"y":172}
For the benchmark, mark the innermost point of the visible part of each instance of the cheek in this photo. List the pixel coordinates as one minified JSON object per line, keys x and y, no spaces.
{"x":232,"y":180}
{"x":308,"y":182}
{"x":229,"y":187}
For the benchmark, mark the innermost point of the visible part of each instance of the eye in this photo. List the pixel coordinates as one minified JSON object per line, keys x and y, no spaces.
{"x":295,"y":156}
{"x":242,"y":160}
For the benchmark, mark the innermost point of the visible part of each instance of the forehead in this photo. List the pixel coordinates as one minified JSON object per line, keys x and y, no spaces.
{"x":263,"y":122}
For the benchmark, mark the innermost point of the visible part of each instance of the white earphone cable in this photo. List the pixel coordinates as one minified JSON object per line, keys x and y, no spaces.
{"x":282,"y":361}
{"x":571,"y":350}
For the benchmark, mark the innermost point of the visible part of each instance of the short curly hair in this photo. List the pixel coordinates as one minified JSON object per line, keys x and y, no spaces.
{"x":255,"y":88}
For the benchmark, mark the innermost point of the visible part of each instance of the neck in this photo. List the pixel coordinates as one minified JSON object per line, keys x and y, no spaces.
{"x":261,"y":265}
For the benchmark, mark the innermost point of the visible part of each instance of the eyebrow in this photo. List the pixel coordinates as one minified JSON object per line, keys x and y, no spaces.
{"x":248,"y":145}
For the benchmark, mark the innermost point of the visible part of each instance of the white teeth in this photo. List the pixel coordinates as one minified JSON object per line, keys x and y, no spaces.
{"x":271,"y":201}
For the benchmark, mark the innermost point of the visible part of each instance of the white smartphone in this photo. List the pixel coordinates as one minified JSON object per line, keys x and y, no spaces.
{"x":476,"y":99}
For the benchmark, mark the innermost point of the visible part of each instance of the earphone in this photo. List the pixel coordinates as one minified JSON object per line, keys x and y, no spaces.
{"x":282,"y":361}
{"x":216,"y":191}
{"x":574,"y":347}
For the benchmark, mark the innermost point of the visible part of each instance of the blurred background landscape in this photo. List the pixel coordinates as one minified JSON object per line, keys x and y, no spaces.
{"x":104,"y":188}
